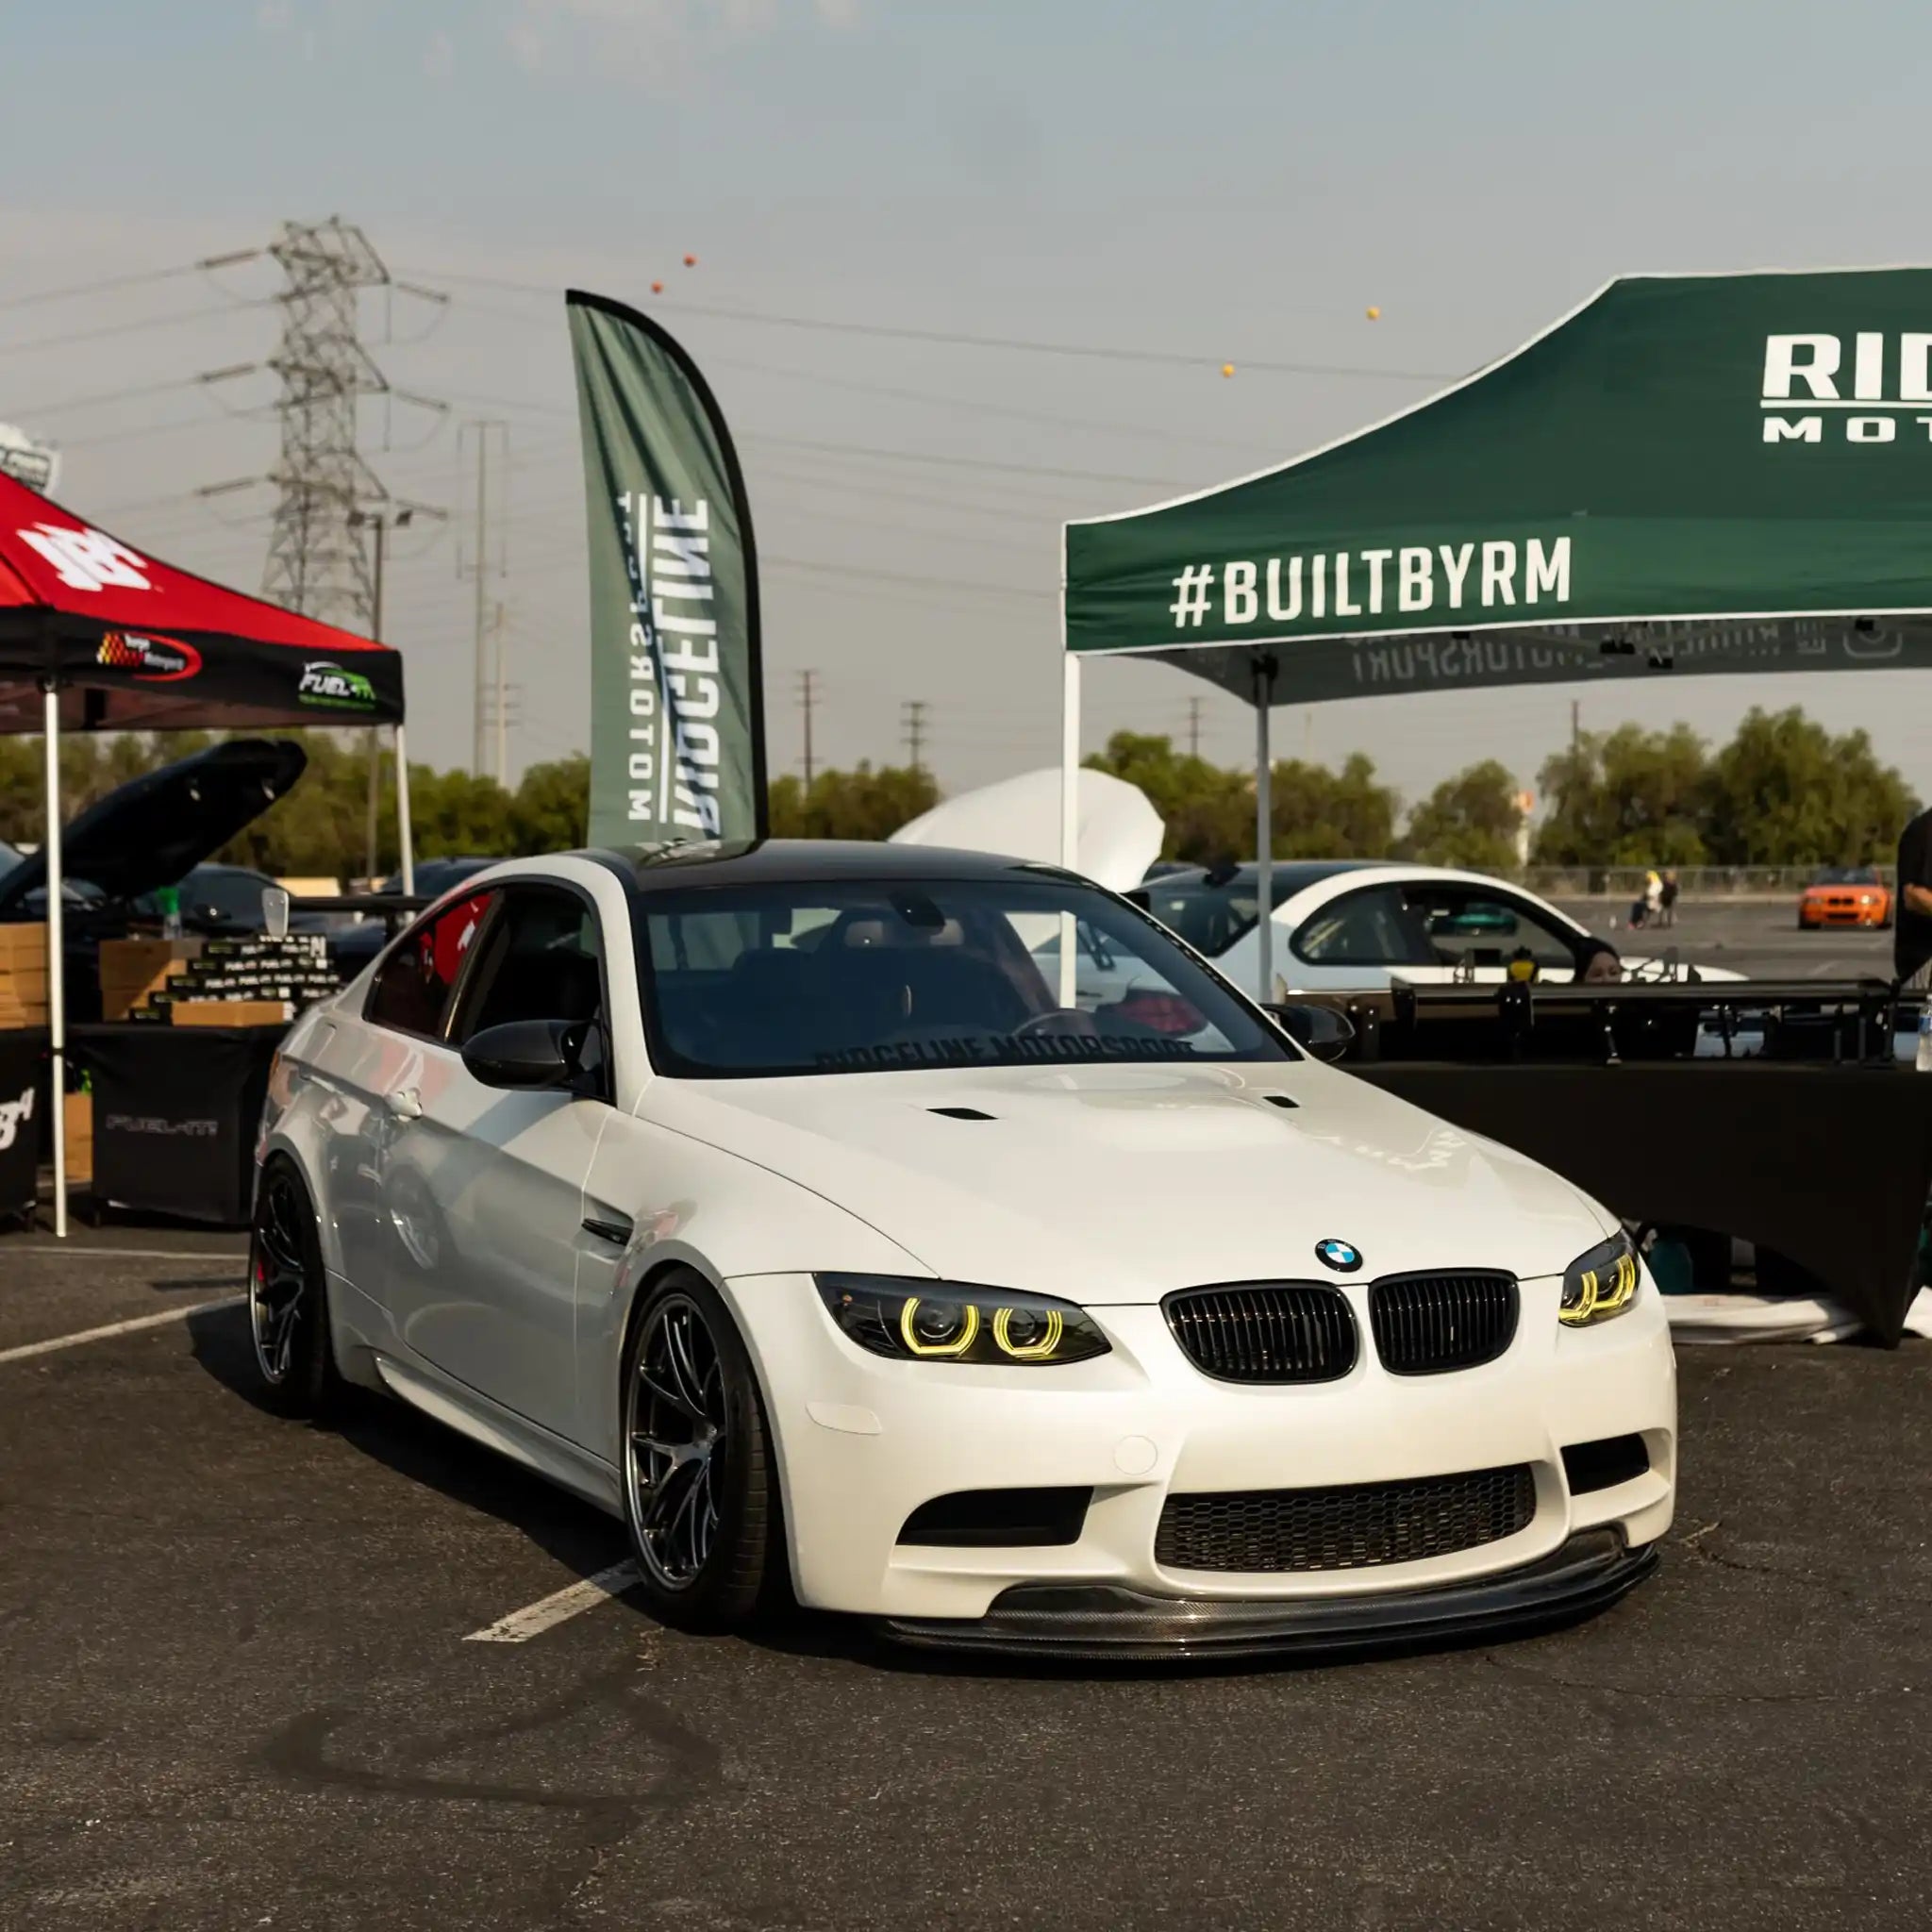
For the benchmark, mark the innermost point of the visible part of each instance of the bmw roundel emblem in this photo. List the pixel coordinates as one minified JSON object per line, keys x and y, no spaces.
{"x":1340,"y":1256}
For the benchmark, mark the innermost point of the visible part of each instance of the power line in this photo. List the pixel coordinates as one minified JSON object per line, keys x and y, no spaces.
{"x":146,"y":322}
{"x":962,"y":339}
{"x":113,"y":283}
{"x":103,"y":397}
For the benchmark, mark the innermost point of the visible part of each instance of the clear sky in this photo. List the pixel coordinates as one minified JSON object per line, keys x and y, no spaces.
{"x":1225,"y":178}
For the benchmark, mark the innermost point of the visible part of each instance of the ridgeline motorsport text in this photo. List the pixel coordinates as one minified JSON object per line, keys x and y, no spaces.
{"x":676,"y":692}
{"x":1404,"y":578}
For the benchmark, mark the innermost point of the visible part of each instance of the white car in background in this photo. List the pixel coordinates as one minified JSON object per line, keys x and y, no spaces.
{"x":771,"y":1198}
{"x":1358,"y":925}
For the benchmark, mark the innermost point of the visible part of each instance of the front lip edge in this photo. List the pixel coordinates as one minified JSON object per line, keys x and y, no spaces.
{"x":1097,"y":1622}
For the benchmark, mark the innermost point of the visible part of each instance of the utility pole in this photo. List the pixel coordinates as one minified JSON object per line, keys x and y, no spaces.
{"x":1576,"y":726}
{"x":379,"y":521}
{"x":501,"y":702}
{"x":807,"y":697}
{"x":481,"y":566}
{"x":914,"y":725}
{"x":1193,"y":727}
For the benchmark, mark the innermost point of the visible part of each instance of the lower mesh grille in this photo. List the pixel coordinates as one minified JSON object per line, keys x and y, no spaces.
{"x":1265,"y":1331}
{"x":1353,"y":1528}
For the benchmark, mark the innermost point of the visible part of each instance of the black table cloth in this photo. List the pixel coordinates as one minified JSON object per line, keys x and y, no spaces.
{"x":22,"y":1117}
{"x":175,"y":1111}
{"x":1828,"y":1166}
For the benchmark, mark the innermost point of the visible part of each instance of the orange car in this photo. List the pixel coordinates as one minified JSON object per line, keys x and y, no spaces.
{"x":1845,"y":896}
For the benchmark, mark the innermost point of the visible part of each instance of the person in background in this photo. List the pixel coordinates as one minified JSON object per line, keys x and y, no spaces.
{"x":1912,"y":932}
{"x":1667,"y":900}
{"x":1597,"y":963}
{"x":1653,"y":896}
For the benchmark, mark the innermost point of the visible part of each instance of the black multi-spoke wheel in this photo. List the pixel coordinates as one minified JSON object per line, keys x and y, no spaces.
{"x":287,"y":1306}
{"x":698,"y":1489}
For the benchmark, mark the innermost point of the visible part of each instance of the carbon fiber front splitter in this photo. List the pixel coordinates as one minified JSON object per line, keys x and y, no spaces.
{"x":1105,"y":1621}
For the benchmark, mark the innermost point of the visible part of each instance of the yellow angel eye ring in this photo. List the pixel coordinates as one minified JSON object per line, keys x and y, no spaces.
{"x":1040,"y":1351}
{"x":958,"y":1346}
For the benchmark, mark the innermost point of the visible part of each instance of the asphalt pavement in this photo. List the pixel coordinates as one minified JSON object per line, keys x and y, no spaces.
{"x":240,"y":1693}
{"x":1757,"y":937}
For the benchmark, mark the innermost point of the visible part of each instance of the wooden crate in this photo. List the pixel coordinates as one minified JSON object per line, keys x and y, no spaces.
{"x":132,"y":968}
{"x":22,"y":946}
{"x":80,"y":1111}
{"x":232,"y":1012}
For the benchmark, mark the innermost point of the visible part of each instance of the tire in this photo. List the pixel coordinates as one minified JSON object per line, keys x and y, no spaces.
{"x":700,"y":1481}
{"x":295,"y":1370}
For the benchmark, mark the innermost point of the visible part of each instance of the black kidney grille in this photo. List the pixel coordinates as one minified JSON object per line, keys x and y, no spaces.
{"x":1353,"y":1528}
{"x":1265,"y":1331}
{"x":1425,"y":1323}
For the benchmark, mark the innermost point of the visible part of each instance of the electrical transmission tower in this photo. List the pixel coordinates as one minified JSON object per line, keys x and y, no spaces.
{"x":912,"y":714}
{"x":317,"y":562}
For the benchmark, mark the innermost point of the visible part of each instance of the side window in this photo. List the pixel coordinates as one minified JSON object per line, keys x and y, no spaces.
{"x":413,"y":987}
{"x":541,"y":959}
{"x":1373,"y":927}
{"x":1469,"y":926}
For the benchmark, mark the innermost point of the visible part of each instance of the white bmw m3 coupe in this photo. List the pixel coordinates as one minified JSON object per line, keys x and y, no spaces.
{"x":771,"y":1198}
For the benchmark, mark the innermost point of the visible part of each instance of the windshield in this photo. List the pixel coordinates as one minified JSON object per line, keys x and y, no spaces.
{"x":1211,"y":910}
{"x":858,"y":975}
{"x":1847,"y":875}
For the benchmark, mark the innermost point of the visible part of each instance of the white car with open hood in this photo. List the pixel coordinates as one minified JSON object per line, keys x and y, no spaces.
{"x":769,"y":1197}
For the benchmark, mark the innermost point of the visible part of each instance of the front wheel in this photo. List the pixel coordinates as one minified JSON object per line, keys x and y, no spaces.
{"x":700,"y":1482}
{"x":287,"y":1299}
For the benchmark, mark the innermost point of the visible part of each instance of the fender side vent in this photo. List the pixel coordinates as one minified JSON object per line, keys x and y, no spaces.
{"x":961,"y":1113}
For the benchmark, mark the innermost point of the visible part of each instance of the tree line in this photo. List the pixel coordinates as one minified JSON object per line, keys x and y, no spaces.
{"x":1782,"y":791}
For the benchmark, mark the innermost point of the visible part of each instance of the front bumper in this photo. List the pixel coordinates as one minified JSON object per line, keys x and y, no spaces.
{"x":1105,"y":1621}
{"x":862,"y":1443}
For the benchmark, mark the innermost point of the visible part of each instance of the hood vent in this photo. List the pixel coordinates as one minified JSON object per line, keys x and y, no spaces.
{"x":961,"y":1113}
{"x":1279,"y":1100}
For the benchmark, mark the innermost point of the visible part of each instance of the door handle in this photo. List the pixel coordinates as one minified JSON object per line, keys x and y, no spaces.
{"x":405,"y":1104}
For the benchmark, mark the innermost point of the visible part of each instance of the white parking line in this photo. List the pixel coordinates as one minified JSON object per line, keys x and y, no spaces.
{"x":533,"y":1619}
{"x":113,"y":1329}
{"x":63,"y":1248}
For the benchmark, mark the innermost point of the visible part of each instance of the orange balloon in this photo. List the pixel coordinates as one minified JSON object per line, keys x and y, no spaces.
{"x":657,"y":288}
{"x":690,"y":261}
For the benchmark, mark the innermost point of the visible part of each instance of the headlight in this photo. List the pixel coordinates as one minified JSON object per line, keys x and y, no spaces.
{"x":912,"y":1320}
{"x":1599,"y":1285}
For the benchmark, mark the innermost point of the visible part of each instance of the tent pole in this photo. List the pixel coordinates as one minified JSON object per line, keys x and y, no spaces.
{"x":56,"y":980}
{"x":407,"y":867}
{"x":1069,"y":815}
{"x":1264,"y":826}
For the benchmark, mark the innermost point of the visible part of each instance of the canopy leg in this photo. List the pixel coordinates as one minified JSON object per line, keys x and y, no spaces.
{"x":1070,"y":817}
{"x":1264,"y":826}
{"x":407,"y":867}
{"x":56,"y":978}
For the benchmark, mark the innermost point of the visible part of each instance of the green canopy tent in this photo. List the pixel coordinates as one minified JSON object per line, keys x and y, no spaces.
{"x":1686,"y":473}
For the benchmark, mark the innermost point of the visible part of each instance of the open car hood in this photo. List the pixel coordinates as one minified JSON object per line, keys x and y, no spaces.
{"x":150,"y":831}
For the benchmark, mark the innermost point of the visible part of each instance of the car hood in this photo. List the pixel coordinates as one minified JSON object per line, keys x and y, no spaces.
{"x":147,"y":833}
{"x":1118,"y":1184}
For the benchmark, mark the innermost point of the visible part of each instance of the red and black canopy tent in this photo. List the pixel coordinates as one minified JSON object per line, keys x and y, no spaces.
{"x":95,"y":636}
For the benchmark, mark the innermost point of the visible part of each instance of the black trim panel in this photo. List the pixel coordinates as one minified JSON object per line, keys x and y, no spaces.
{"x":1095,"y":1620}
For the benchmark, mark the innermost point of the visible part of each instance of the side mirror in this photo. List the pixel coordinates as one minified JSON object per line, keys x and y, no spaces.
{"x":1324,"y":1033}
{"x":523,"y":1053}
